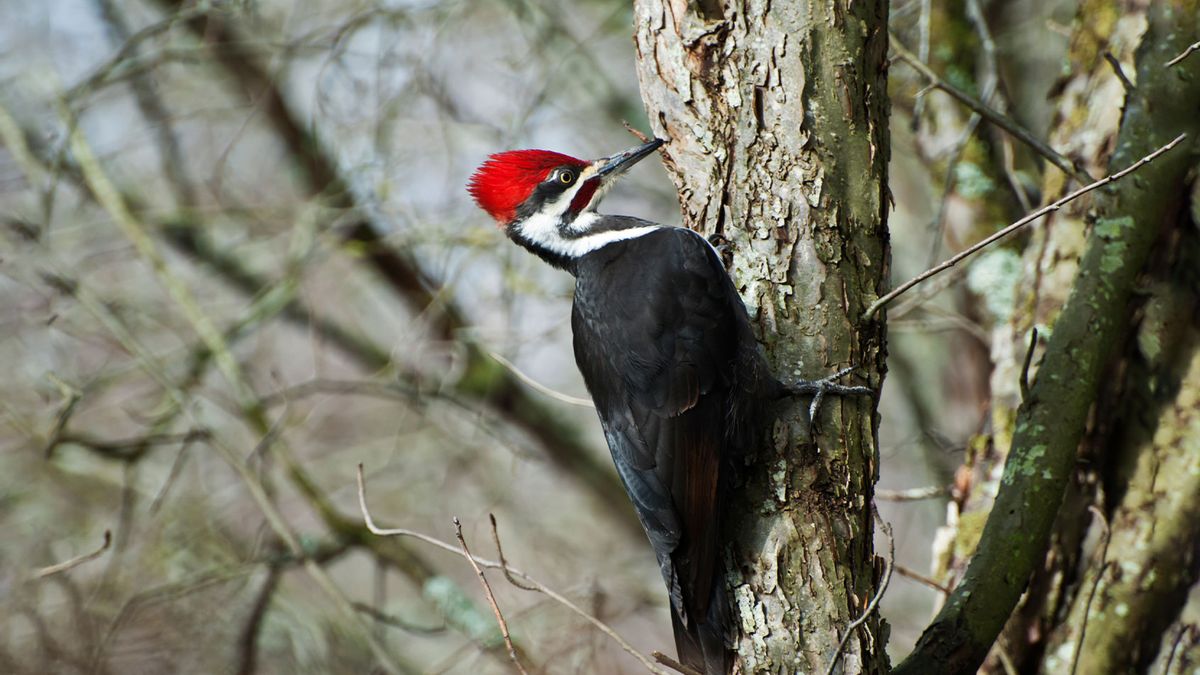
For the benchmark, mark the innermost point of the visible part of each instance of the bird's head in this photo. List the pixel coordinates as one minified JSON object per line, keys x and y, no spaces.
{"x":546,"y":201}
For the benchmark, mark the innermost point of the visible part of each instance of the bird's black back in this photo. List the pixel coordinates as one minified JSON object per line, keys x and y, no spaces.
{"x":666,"y":350}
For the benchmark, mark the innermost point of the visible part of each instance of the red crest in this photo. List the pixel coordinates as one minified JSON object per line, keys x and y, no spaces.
{"x":507,"y":179}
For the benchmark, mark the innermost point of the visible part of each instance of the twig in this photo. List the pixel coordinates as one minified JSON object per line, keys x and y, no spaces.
{"x":923,"y":23}
{"x":954,"y":260}
{"x":887,"y":578}
{"x":636,"y":134}
{"x":990,"y":114}
{"x":556,"y":395}
{"x":44,"y":572}
{"x":114,"y":204}
{"x":487,"y":590}
{"x":912,"y":494}
{"x":386,"y":619}
{"x":1006,"y":661}
{"x":1033,"y":340}
{"x":1186,"y":53}
{"x":673,"y":664}
{"x":921,"y":579}
{"x":1120,"y":72}
{"x":1087,"y":607}
{"x":504,"y":562}
{"x":509,"y":573}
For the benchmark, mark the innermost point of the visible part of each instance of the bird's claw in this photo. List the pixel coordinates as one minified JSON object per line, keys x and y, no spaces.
{"x":826,"y":385}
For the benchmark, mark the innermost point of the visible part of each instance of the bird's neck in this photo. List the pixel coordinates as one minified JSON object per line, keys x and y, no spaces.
{"x":563,"y":243}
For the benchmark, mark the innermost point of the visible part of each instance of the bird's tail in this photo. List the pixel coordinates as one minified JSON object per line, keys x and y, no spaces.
{"x":701,"y":642}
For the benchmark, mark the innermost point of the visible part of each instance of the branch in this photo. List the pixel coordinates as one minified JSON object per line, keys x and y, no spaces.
{"x":526,"y":582}
{"x":1187,"y":52}
{"x":44,"y":572}
{"x":1029,"y":218}
{"x":1000,"y":120}
{"x":110,"y":198}
{"x":1088,"y":331}
{"x":487,"y":591}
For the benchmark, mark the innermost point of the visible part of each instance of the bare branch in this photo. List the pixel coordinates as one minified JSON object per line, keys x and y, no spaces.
{"x":1119,"y":72}
{"x":1106,"y":533}
{"x":912,"y":494}
{"x":921,"y":579}
{"x":487,"y":591}
{"x":44,"y":572}
{"x":509,"y":572}
{"x":991,"y":115}
{"x":538,"y":386}
{"x":673,"y":664}
{"x":1001,"y":234}
{"x":1186,"y":53}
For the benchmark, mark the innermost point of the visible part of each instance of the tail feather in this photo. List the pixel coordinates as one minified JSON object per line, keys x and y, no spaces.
{"x":701,"y":643}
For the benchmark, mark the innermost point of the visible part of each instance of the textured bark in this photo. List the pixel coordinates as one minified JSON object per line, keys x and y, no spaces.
{"x":1115,"y":590}
{"x":776,"y":116}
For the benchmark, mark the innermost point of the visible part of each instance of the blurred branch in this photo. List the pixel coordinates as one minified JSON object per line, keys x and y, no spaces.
{"x":151,"y":105}
{"x":526,"y":582}
{"x":483,"y":380}
{"x":1184,"y":54}
{"x":44,"y":572}
{"x":248,"y":641}
{"x":396,"y":622}
{"x":1002,"y":233}
{"x":1000,"y":120}
{"x":108,"y":196}
{"x":912,"y":494}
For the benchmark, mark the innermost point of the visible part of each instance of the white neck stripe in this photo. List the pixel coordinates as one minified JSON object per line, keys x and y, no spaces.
{"x":542,"y":230}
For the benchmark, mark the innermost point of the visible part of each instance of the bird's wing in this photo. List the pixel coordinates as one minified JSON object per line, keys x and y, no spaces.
{"x":656,"y":340}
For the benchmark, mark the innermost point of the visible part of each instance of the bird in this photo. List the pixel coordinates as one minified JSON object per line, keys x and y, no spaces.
{"x":669,"y":356}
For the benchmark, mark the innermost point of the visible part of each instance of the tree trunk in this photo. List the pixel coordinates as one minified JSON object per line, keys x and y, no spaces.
{"x":776,"y":116}
{"x":1109,"y":596}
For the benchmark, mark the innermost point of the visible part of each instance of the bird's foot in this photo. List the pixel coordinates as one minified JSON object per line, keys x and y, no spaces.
{"x":826,"y":385}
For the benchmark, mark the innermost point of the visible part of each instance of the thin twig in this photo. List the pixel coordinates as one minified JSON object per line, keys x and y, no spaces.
{"x":556,"y":395}
{"x":1119,"y":71}
{"x":990,"y":114}
{"x":491,"y":597}
{"x":912,"y":494}
{"x":1087,"y":607}
{"x":1033,"y":340}
{"x":43,"y":572}
{"x":1186,"y":53}
{"x":673,"y":664}
{"x":114,"y":204}
{"x":1029,"y":218}
{"x":508,"y":570}
{"x":504,"y":562}
{"x":386,"y":619}
{"x":887,"y":578}
{"x":921,"y":579}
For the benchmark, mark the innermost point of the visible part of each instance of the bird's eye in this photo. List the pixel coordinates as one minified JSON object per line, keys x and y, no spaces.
{"x":566,"y":177}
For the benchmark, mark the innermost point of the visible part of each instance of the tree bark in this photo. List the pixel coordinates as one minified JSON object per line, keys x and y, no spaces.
{"x":776,"y":117}
{"x":1122,"y":545}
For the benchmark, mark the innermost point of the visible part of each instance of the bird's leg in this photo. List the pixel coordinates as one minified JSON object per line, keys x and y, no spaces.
{"x":826,"y":385}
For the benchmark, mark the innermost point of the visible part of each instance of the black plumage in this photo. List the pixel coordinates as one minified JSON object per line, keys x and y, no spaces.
{"x":666,"y":350}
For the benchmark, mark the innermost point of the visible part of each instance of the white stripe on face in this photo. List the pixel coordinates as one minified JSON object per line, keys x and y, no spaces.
{"x":546,"y":230}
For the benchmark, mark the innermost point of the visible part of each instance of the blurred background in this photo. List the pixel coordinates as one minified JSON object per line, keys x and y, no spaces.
{"x":236,"y":250}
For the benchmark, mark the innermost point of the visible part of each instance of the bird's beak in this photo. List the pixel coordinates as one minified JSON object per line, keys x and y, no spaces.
{"x":611,"y":167}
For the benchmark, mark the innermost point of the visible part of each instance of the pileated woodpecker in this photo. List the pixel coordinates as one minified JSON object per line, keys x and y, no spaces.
{"x":666,"y":351}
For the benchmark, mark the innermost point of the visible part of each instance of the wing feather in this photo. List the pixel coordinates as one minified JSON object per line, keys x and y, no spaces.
{"x":656,"y":326}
